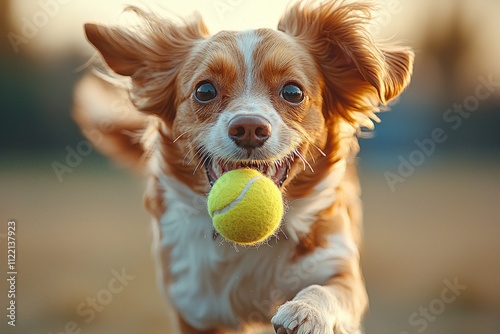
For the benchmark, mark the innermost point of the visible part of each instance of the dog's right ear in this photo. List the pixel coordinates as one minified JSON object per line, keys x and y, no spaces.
{"x":151,"y":54}
{"x":119,"y":48}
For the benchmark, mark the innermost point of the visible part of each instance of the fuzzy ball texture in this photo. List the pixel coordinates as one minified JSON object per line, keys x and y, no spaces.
{"x":246,"y":207}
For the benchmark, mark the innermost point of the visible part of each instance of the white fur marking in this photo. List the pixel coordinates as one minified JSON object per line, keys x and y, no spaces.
{"x":303,"y":212}
{"x":247,"y":44}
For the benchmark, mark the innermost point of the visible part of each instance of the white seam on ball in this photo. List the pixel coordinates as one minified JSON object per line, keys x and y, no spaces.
{"x":237,"y":199}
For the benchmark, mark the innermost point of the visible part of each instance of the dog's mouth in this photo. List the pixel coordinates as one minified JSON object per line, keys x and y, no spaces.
{"x":276,"y":170}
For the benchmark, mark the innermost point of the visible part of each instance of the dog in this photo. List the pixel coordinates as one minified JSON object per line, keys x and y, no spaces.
{"x":289,"y":102}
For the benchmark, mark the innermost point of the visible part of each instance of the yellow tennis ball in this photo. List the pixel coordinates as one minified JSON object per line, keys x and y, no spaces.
{"x":246,"y":207}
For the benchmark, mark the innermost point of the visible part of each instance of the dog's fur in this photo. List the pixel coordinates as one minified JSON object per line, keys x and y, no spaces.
{"x":306,"y":278}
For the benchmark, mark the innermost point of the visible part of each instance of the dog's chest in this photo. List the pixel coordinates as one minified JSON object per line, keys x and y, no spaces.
{"x":214,"y":283}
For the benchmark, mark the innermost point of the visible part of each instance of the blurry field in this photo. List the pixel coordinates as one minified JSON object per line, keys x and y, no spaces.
{"x":74,"y":237}
{"x":442,"y":223}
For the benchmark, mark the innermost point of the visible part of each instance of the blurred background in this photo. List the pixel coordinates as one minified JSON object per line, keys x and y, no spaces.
{"x":430,"y":175}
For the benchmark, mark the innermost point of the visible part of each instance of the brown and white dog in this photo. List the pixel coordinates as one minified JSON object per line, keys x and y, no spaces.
{"x":289,"y":102}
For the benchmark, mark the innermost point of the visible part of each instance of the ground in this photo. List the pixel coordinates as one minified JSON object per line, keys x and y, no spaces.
{"x":76,"y":236}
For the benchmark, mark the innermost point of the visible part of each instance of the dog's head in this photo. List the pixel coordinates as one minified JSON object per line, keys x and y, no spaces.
{"x":273,"y":100}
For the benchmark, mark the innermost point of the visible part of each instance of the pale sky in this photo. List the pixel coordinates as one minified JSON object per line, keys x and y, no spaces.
{"x":64,"y":27}
{"x":406,"y":20}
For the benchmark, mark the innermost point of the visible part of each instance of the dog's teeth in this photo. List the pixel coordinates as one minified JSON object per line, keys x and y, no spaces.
{"x":219,"y":170}
{"x":271,"y":171}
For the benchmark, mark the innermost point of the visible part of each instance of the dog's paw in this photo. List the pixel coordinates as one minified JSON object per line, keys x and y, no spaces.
{"x":299,"y":317}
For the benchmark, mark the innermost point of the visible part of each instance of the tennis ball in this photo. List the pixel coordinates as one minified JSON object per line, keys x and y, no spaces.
{"x":246,"y":207}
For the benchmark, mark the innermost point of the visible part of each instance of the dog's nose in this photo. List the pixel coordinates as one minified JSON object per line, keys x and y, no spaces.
{"x":249,"y":131}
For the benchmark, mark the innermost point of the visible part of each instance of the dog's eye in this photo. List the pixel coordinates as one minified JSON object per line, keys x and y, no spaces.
{"x":292,"y":93}
{"x":205,"y":92}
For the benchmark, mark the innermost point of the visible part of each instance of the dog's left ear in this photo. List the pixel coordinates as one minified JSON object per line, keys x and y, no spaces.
{"x":398,"y":65}
{"x":353,"y":65}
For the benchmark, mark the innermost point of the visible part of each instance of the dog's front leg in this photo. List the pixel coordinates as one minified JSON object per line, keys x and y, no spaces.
{"x":336,"y":307}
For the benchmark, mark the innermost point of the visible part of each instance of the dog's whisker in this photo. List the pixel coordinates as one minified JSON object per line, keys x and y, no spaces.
{"x":205,"y":158}
{"x":304,"y":161}
{"x":312,"y":157}
{"x":197,"y":166}
{"x":319,"y":150}
{"x":192,"y":157}
{"x":179,"y":137}
{"x":200,"y":151}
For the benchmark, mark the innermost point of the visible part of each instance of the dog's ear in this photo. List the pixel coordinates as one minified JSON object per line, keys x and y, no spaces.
{"x":391,"y":73}
{"x":151,"y":54}
{"x":353,"y":65}
{"x":118,"y":47}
